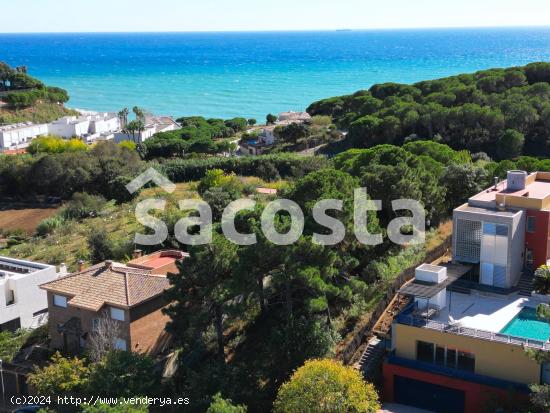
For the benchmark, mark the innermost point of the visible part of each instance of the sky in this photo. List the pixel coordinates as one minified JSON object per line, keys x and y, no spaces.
{"x":262,"y":15}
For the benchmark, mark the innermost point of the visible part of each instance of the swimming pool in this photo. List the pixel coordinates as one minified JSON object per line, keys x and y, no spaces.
{"x":527,"y":325}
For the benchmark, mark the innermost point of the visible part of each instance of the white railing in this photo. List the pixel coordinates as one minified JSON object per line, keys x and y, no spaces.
{"x":472,"y":332}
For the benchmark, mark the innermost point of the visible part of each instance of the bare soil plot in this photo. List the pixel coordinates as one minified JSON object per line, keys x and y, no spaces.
{"x":26,"y":219}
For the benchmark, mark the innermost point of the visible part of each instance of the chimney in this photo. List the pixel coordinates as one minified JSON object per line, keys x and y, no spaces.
{"x":80,"y":265}
{"x":496,"y":183}
{"x":137,"y":254}
{"x":62,"y":269}
{"x":108,"y":264}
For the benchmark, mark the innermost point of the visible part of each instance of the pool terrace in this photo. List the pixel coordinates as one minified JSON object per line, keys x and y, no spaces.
{"x":478,"y":315}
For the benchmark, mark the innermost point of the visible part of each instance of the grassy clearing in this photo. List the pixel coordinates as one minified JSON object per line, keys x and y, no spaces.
{"x":68,"y":243}
{"x":42,"y":112}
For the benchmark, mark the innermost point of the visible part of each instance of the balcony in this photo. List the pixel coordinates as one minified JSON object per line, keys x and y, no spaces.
{"x":407,"y":318}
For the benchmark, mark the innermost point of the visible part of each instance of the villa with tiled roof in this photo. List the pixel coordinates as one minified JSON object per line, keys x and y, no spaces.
{"x":131,"y":296}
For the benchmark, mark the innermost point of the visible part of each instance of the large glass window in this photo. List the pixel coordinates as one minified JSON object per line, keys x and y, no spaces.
{"x":440,"y":356}
{"x":493,"y":274}
{"x":451,"y":358}
{"x":490,"y":228}
{"x":424,"y":351}
{"x":445,"y":357}
{"x":466,"y":361}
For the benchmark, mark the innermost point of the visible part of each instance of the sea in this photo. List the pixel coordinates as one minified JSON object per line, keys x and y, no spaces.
{"x":251,"y":74}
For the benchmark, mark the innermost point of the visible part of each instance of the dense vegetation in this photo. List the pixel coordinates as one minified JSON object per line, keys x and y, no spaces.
{"x":104,"y":169}
{"x":24,"y":90}
{"x":262,"y":310}
{"x":266,"y":167}
{"x":483,"y":111}
{"x":197,"y":135}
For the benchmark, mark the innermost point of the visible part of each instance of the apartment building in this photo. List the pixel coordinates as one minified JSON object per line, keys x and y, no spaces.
{"x":460,"y":344}
{"x":89,"y":127}
{"x":22,"y":303}
{"x":130,"y":295}
{"x":20,"y":135}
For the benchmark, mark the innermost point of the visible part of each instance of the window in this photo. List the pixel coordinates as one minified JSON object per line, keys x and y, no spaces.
{"x":466,"y":361}
{"x":440,"y":356}
{"x":445,"y":357}
{"x":451,"y":358}
{"x":493,"y":274}
{"x":531,"y":222}
{"x":95,"y":324}
{"x":117,"y":314}
{"x":502,"y":230}
{"x":424,"y":351}
{"x":120,"y":344}
{"x":495,"y":229}
{"x":10,"y":297}
{"x":60,"y":301}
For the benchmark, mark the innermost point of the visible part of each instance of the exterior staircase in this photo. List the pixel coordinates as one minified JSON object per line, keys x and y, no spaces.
{"x":525,"y":284}
{"x":371,"y":358}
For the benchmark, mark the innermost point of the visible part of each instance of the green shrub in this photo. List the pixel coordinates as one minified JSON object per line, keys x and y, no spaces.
{"x":541,"y":283}
{"x":84,"y":205}
{"x":49,"y":225}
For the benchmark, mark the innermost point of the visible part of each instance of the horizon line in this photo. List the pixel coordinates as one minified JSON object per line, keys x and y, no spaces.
{"x":342,"y":29}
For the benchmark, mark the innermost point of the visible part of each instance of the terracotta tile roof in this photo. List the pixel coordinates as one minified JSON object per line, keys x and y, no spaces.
{"x":104,"y":284}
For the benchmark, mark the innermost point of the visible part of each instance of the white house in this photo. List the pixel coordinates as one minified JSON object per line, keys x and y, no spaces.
{"x":267,"y":135}
{"x":153,"y":124}
{"x":90,"y":126}
{"x":19,"y":135}
{"x":69,"y":126}
{"x":22,"y":303}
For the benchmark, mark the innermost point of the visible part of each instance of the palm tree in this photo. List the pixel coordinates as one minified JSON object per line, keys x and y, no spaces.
{"x":135,"y":126}
{"x":140,"y":113}
{"x":123,"y":116}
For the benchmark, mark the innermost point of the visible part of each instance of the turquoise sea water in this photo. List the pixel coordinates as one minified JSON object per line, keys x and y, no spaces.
{"x":527,"y":325}
{"x":251,"y":74}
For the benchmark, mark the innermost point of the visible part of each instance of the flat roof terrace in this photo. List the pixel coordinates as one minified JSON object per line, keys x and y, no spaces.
{"x":536,"y":193}
{"x":479,"y":315}
{"x":15,"y":266}
{"x":489,"y":313}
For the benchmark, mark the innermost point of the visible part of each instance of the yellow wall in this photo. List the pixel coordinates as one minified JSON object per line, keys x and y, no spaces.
{"x":497,"y":360}
{"x":521,"y":202}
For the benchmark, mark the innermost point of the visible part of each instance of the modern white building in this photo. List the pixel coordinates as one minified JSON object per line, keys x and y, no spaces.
{"x":89,"y":127}
{"x":19,"y":135}
{"x":153,"y":124}
{"x":22,"y":303}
